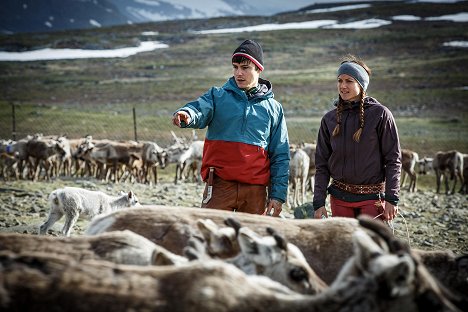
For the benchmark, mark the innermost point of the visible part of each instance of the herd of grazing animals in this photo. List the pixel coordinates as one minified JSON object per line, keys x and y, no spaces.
{"x":222,"y":264}
{"x":38,"y":156}
{"x":45,"y":157}
{"x":447,"y":166}
{"x":144,"y":258}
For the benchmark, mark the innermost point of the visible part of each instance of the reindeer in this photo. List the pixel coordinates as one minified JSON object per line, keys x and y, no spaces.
{"x":310,"y":149}
{"x":425,"y":165}
{"x":271,"y":256}
{"x":153,"y":156}
{"x":172,"y":227}
{"x":448,"y":164}
{"x":123,"y":247}
{"x":409,"y":160}
{"x":464,"y":187}
{"x":74,"y":202}
{"x":298,"y":175}
{"x":43,"y":152}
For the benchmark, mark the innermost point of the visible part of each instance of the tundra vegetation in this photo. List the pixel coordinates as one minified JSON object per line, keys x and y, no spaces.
{"x":415,"y":75}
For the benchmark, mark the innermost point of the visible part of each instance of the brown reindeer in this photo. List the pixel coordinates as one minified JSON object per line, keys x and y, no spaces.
{"x":124,"y":247}
{"x":464,"y":187}
{"x":448,"y":165}
{"x":172,"y":227}
{"x":409,"y":161}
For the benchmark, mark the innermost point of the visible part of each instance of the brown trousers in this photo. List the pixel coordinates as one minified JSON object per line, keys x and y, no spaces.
{"x":235,"y":196}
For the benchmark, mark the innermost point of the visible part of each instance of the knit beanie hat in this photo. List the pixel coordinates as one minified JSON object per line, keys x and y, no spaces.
{"x":251,"y":50}
{"x":357,"y":72}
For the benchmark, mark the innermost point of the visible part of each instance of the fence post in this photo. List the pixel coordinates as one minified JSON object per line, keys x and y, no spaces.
{"x":135,"y":125}
{"x":13,"y":122}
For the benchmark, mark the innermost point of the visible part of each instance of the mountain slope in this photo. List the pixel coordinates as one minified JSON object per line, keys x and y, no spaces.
{"x":144,"y":11}
{"x":53,"y":15}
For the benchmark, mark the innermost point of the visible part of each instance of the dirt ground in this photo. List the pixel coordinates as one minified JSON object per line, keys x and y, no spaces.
{"x":428,"y":221}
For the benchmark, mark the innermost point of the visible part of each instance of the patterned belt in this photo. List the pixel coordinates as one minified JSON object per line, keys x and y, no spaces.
{"x":360,"y":189}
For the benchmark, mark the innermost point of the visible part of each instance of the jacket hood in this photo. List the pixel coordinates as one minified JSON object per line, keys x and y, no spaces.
{"x":263,"y":90}
{"x":368,"y":101}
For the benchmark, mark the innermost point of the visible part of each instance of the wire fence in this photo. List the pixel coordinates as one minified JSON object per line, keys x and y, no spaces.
{"x":127,"y":123}
{"x":77,"y":122}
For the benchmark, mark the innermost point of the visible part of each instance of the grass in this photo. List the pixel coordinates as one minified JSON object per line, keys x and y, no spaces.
{"x":425,"y":135}
{"x":413,"y":74}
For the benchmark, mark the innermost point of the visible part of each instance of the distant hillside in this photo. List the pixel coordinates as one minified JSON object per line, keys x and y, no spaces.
{"x":51,"y":15}
{"x":54,"y":15}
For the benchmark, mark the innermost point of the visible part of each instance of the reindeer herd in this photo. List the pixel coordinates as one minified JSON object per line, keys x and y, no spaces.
{"x":160,"y":258}
{"x":447,"y":166}
{"x":45,"y":157}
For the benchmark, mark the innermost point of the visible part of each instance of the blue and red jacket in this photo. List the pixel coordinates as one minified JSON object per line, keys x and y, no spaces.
{"x":247,"y":139}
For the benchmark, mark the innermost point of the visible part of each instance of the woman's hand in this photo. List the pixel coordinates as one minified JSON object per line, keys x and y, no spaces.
{"x":390,"y":211}
{"x":320,"y":212}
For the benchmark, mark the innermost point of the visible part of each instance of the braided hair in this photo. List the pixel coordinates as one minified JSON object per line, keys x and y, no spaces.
{"x":342,"y":104}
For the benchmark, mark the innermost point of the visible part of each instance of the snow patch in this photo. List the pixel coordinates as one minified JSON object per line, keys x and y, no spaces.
{"x":94,"y":23}
{"x":408,"y":18}
{"x":364,"y":24}
{"x":340,"y":8}
{"x":459,"y":17}
{"x":456,"y":44}
{"x":269,"y":27}
{"x":61,"y":54}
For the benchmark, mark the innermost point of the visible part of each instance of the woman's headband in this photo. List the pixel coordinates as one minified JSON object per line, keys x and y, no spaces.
{"x":357,"y":72}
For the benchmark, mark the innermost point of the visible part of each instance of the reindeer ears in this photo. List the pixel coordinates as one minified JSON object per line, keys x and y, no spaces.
{"x":234,"y":223}
{"x":280,"y":240}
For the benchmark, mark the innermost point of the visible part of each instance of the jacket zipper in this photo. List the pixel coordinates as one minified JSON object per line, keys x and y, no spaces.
{"x":344,"y":147}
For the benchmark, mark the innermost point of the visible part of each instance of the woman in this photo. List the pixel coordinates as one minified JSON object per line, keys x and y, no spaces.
{"x":358,"y":148}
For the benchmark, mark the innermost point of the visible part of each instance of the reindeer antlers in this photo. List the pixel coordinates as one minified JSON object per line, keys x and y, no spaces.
{"x":395,"y":245}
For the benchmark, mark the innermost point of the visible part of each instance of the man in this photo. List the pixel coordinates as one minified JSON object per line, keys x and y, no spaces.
{"x":246,"y":147}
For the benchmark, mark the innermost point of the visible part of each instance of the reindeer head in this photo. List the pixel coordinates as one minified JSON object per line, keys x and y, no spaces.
{"x":281,"y":261}
{"x":132,"y":199}
{"x":221,"y":241}
{"x":400,"y":275}
{"x":425,"y":165}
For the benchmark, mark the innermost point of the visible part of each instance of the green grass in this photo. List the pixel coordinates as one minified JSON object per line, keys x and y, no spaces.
{"x":425,"y":135}
{"x":413,"y":74}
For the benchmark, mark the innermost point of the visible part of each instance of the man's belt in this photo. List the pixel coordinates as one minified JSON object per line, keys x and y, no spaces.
{"x":360,"y":188}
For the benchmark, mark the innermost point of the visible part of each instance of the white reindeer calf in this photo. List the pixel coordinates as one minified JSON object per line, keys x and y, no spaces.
{"x":75,"y":202}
